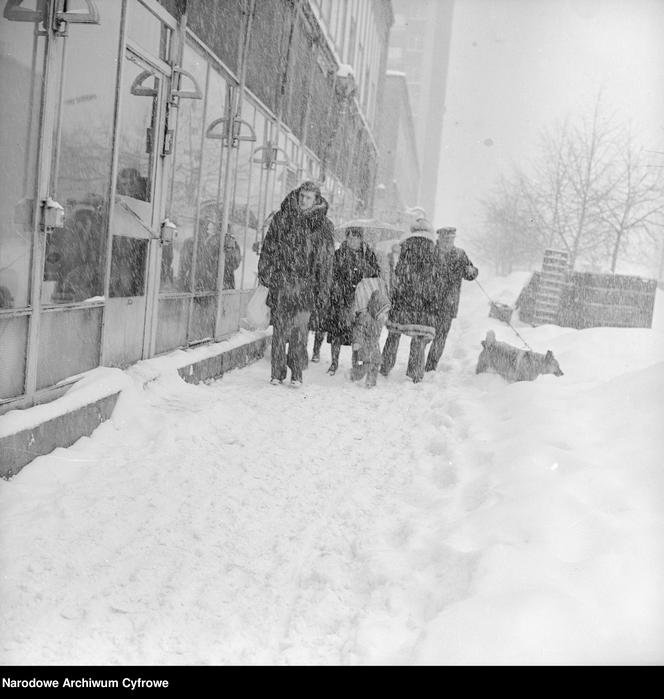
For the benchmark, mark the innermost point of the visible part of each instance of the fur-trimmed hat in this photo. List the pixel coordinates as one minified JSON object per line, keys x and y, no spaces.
{"x":422,"y":228}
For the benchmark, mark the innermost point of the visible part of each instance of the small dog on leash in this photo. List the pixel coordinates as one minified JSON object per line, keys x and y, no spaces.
{"x":512,"y":363}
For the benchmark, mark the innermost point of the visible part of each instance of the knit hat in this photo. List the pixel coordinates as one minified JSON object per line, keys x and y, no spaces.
{"x":421,"y":228}
{"x":447,"y":231}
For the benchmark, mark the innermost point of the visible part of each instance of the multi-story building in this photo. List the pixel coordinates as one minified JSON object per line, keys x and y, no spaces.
{"x":419,"y":47}
{"x":398,"y":179}
{"x":144,"y":144}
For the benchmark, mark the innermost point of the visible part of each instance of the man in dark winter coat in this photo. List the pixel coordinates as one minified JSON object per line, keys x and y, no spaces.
{"x":289,"y":266}
{"x":415,"y":299}
{"x":323,"y":287}
{"x":454,"y":266}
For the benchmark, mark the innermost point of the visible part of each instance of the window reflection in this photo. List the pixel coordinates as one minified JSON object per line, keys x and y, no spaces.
{"x":210,"y":216}
{"x":137,"y":140}
{"x":147,"y":30}
{"x":186,"y":174}
{"x":72,"y":270}
{"x":75,"y":255}
{"x":128,"y":258}
{"x":132,"y":212}
{"x":132,"y":184}
{"x":249,"y":196}
{"x":21,"y":75}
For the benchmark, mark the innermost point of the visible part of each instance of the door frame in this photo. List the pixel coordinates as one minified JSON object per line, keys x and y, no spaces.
{"x":161,"y":166}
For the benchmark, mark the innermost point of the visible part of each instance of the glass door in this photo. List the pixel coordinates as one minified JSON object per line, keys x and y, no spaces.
{"x":135,"y":246}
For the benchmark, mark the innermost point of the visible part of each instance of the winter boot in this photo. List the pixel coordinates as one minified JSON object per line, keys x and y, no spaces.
{"x":358,"y":369}
{"x":318,"y":341}
{"x":358,"y":372}
{"x":336,"y":349}
{"x":371,"y":376}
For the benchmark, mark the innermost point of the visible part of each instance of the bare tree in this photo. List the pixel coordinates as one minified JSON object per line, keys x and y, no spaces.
{"x":634,"y":209}
{"x":510,"y":237}
{"x":588,"y":192}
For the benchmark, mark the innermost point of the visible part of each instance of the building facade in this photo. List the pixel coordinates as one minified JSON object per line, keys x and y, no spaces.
{"x":398,"y":166}
{"x":419,"y":48}
{"x":145,"y":145}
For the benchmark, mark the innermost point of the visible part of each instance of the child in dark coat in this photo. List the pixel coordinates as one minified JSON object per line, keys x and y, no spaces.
{"x":367,"y":327}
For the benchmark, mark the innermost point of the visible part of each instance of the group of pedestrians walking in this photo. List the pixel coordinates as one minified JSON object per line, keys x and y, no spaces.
{"x":312,"y":287}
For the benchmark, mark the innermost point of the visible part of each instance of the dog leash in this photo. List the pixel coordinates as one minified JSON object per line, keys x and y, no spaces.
{"x":510,"y":324}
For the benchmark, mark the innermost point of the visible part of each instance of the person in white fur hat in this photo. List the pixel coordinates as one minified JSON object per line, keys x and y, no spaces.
{"x":415,"y":299}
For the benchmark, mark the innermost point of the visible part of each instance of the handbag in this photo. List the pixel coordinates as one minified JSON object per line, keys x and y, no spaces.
{"x":258,"y":312}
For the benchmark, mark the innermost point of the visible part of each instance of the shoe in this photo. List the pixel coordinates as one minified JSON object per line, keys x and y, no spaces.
{"x":315,"y":357}
{"x":275,"y":382}
{"x":333,"y":369}
{"x":295,"y":383}
{"x":384,"y":373}
{"x":358,"y":372}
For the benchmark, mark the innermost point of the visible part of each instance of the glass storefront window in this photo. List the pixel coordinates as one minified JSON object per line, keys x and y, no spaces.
{"x":68,"y":343}
{"x":248,"y":203}
{"x":13,"y":341}
{"x":75,"y":255}
{"x":147,"y":30}
{"x":186,"y":174}
{"x":205,"y":234}
{"x":132,"y":210}
{"x":21,"y":76}
{"x":128,"y":258}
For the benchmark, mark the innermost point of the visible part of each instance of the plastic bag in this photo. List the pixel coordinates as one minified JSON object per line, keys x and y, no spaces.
{"x":258,"y":313}
{"x":363,"y":292}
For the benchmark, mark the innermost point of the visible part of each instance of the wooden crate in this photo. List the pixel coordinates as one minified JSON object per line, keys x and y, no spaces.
{"x":590,"y":300}
{"x":608,"y":300}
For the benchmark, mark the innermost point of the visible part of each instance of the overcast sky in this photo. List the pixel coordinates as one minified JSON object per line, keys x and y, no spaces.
{"x":517,"y":66}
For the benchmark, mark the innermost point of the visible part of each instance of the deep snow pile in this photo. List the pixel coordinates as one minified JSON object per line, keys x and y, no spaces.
{"x":461,"y":520}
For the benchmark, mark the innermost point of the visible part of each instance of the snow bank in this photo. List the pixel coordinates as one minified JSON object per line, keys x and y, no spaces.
{"x":463,"y":520}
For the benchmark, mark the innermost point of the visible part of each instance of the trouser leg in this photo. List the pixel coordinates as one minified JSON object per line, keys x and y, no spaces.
{"x":438,"y":344}
{"x":281,"y":327}
{"x":304,"y":353}
{"x":390,"y":353}
{"x":297,"y":344}
{"x":372,"y":374}
{"x":416,"y":359}
{"x":358,"y":369}
{"x":335,"y":350}
{"x":318,"y":341}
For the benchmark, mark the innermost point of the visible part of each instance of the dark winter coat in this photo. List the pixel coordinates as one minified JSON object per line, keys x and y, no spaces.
{"x":454,"y":266}
{"x":349,"y":268}
{"x":290,"y":260}
{"x":323,"y":282}
{"x":416,"y":293}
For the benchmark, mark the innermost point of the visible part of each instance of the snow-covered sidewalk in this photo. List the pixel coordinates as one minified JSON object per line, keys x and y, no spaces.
{"x":460,"y":520}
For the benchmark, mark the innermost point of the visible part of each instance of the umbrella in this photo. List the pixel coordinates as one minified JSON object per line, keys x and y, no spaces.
{"x":374,"y":230}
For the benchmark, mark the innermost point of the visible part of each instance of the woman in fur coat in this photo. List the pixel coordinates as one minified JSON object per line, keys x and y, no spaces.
{"x":415,"y":299}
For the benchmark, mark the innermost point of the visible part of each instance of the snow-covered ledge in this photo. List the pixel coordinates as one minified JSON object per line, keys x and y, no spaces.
{"x":32,"y":432}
